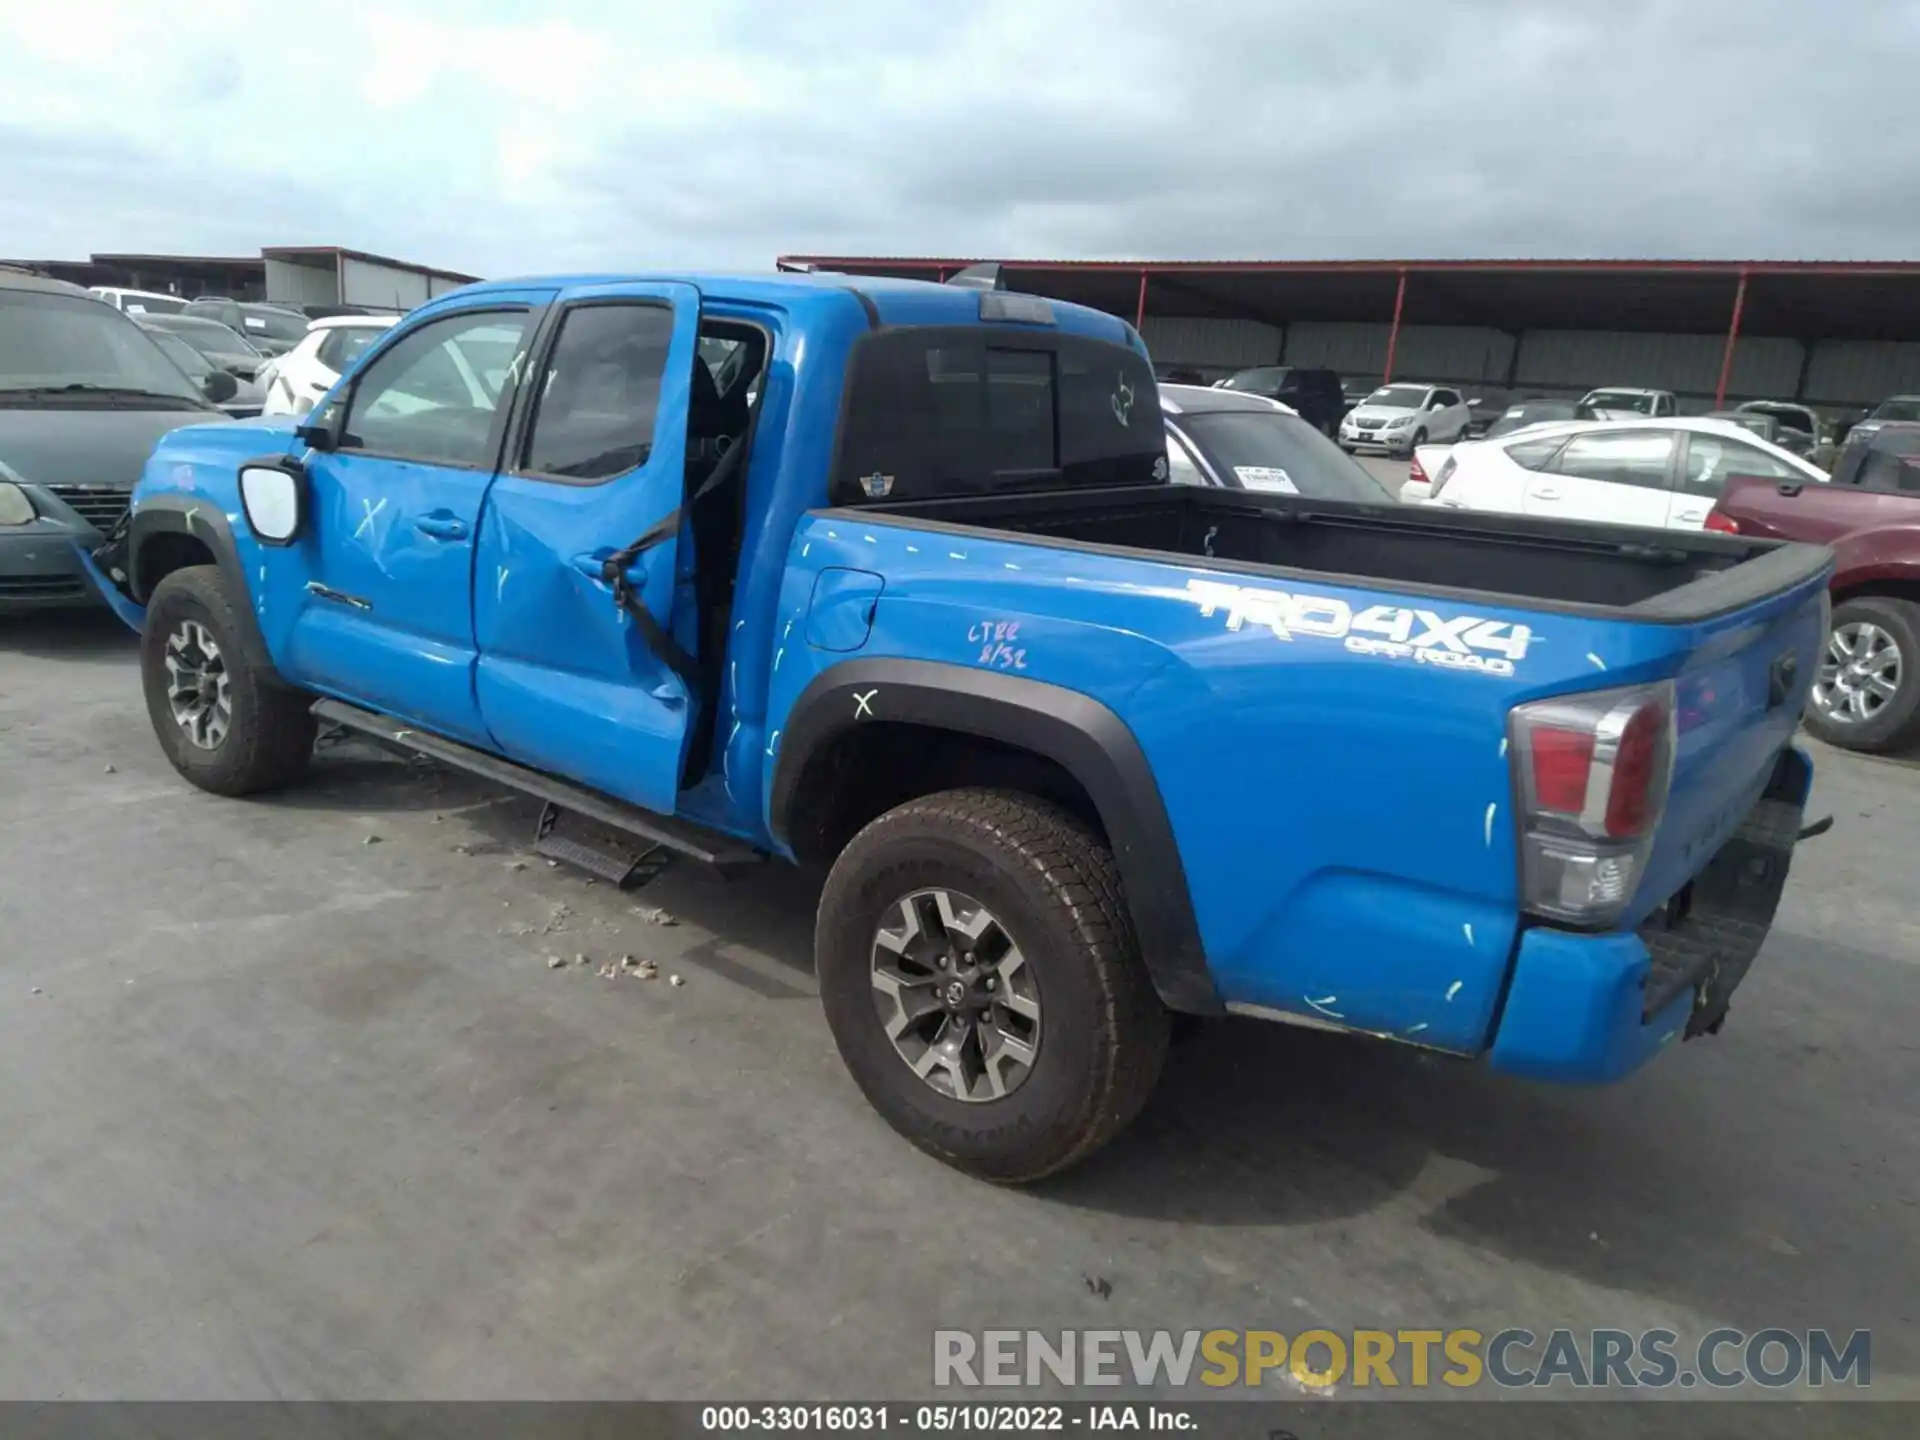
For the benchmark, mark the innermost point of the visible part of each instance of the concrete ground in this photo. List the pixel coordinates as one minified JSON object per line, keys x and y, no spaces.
{"x":292,"y":1105}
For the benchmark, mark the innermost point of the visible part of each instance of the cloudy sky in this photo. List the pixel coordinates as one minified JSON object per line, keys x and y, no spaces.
{"x":624,"y":133}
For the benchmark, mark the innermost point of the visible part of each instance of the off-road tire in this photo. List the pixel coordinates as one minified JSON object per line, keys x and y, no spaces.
{"x":269,"y":740}
{"x":1054,"y":887}
{"x":1897,"y":726}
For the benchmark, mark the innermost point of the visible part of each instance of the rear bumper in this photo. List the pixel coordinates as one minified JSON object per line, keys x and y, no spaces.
{"x":1592,"y":1008}
{"x":39,"y":570}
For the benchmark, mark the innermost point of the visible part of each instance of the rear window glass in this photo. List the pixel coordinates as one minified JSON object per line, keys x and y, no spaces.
{"x":955,"y":411}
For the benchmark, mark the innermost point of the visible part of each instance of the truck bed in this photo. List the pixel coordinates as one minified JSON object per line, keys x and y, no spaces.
{"x":1656,"y":576}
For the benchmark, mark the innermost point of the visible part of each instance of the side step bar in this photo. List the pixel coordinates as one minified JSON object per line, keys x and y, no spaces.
{"x":658,"y":832}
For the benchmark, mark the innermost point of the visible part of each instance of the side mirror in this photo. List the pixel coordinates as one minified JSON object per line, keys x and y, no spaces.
{"x":220,"y":386}
{"x":273,"y":492}
{"x":323,"y":428}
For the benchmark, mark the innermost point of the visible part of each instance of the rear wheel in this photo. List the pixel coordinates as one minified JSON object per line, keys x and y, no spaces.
{"x":223,"y":723}
{"x":1866,"y":695}
{"x":980,"y":975}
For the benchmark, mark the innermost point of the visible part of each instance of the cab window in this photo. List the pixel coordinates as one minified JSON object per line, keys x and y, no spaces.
{"x":434,"y":394}
{"x":601,"y":391}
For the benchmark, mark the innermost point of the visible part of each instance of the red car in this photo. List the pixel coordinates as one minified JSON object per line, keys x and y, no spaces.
{"x":1867,"y":694}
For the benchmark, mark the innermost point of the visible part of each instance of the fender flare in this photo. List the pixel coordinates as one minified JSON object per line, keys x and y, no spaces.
{"x":1078,"y":733}
{"x":203,"y":520}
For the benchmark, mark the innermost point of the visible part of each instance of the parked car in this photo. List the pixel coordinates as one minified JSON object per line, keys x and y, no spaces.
{"x":1866,"y":695}
{"x":1542,"y":411}
{"x":202,"y":372}
{"x":270,"y":329}
{"x":1247,"y":442}
{"x":84,"y":393}
{"x":1765,"y":426}
{"x":1485,"y":404}
{"x":1658,"y":473}
{"x":1310,"y":392}
{"x":960,"y":643}
{"x":138,"y":302}
{"x":1894,"y":409}
{"x":1399,"y":418}
{"x":1352,"y":392}
{"x":301,"y":377}
{"x":1624,"y":403}
{"x":226,"y":349}
{"x":1798,"y":427}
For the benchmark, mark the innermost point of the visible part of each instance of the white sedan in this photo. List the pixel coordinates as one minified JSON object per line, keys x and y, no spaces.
{"x":312,"y":367}
{"x":1400,"y":417}
{"x":1664,"y":474}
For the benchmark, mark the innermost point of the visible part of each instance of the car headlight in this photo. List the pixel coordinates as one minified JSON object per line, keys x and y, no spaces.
{"x":1399,"y":422}
{"x":15,"y":507}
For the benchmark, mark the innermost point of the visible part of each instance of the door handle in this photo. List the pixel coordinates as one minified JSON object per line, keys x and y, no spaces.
{"x":441,"y":527}
{"x":1545,"y":492}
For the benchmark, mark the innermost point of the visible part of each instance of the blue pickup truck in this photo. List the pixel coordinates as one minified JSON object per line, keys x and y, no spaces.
{"x":889,"y":578}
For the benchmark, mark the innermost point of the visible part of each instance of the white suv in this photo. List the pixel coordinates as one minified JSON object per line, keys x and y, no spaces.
{"x":1398,"y":417}
{"x":314,"y":365}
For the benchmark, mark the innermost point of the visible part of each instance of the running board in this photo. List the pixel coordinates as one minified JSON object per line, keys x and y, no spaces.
{"x":657,"y":832}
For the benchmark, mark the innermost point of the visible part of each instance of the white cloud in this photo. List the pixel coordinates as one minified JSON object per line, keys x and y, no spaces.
{"x":495,"y":137}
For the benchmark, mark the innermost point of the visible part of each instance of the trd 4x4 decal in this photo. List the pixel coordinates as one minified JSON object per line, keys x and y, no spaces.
{"x":1460,"y":642}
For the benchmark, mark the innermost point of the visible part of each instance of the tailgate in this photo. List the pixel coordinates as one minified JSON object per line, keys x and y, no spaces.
{"x":1737,"y":702}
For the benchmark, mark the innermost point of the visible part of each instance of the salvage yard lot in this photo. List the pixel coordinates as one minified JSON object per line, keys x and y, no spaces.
{"x":295,"y":1106}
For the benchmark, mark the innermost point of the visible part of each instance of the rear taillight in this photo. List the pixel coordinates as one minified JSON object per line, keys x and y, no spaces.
{"x":1725,"y":524}
{"x":1593,"y":772}
{"x":1447,"y":467}
{"x":1417,"y":472}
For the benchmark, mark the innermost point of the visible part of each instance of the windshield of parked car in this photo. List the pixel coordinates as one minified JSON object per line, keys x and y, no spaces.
{"x":1640,"y":404}
{"x":54,"y":341}
{"x":196,"y":365}
{"x":273,"y":324}
{"x":209,"y":337}
{"x":1260,"y":380}
{"x":1537,"y":412}
{"x":1900,"y":407}
{"x":1281,"y":454}
{"x":1398,"y":397}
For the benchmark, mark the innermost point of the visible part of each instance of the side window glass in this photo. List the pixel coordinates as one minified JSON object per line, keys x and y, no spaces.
{"x":433,"y":395}
{"x":1534,"y":454}
{"x":601,"y":392}
{"x":1711,"y":459}
{"x":1633,"y":457}
{"x":1180,"y":467}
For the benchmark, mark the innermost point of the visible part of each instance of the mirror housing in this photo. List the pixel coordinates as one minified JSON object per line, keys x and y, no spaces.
{"x":219,"y":387}
{"x":324,"y":426}
{"x":273,"y":493}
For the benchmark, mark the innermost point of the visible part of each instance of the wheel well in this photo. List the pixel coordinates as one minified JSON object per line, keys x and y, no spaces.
{"x":863,"y":772}
{"x":1908,"y":590}
{"x":164,"y":552}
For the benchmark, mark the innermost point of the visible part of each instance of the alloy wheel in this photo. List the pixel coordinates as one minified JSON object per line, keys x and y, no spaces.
{"x":1859,"y":675}
{"x":955,"y":996}
{"x":197,"y":685}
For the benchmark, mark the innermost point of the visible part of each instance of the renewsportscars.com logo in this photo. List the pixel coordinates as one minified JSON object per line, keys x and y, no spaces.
{"x":1461,"y":1359}
{"x":1459,"y":642}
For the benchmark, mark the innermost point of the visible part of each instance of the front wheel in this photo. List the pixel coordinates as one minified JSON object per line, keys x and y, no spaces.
{"x":1866,"y":695}
{"x":225,"y":725}
{"x":980,"y":975}
{"x":1419,"y":439}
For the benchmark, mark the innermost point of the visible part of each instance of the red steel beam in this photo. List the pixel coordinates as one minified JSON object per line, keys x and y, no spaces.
{"x":1393,"y":335}
{"x":1733,"y":336}
{"x":1140,"y":311}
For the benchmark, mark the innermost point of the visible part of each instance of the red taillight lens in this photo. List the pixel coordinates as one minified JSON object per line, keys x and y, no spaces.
{"x":1561,"y":760}
{"x":1725,"y":524}
{"x":1630,"y":795}
{"x":1594,"y":770}
{"x":1416,"y":471}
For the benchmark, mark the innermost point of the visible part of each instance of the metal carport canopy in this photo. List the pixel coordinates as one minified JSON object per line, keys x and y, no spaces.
{"x":1806,"y":300}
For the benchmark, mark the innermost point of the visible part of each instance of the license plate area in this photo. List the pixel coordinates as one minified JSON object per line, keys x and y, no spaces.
{"x":1705,"y":937}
